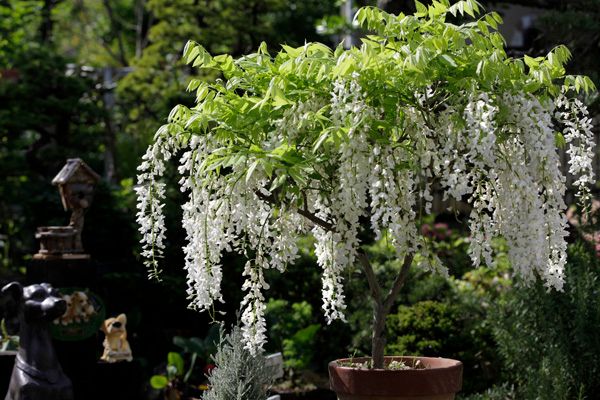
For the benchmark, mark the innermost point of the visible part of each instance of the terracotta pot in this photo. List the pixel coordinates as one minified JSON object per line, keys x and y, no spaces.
{"x":440,"y":380}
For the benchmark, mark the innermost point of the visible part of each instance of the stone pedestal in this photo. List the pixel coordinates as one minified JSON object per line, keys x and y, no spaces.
{"x":67,"y":270}
{"x":118,"y":381}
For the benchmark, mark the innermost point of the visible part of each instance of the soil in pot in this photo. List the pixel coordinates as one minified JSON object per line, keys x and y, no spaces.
{"x":440,"y":379}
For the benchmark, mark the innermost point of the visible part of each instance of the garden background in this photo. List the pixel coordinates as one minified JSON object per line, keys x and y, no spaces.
{"x":95,"y":79}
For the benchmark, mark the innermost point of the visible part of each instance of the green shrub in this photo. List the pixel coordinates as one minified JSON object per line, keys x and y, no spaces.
{"x":446,"y":329}
{"x":425,"y":328}
{"x":291,"y":331}
{"x":448,"y":317}
{"x":549,"y":341}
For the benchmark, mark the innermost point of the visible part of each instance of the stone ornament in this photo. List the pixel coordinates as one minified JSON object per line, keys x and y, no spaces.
{"x":37,"y":374}
{"x":116,"y":346}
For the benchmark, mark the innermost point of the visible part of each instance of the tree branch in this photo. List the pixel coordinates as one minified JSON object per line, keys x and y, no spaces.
{"x":398,"y":283}
{"x":114,"y":26}
{"x":304,"y":212}
{"x":371,"y":278}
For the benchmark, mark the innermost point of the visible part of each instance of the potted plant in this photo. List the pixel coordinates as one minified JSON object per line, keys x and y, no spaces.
{"x":333,"y":142}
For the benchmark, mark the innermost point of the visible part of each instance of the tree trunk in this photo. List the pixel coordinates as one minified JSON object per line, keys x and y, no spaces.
{"x":46,"y":23}
{"x":381,"y":305}
{"x":140,"y":31}
{"x":110,"y":146}
{"x":378,"y":339}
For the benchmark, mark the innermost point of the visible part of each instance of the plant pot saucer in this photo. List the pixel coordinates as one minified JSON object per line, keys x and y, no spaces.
{"x":439,"y":380}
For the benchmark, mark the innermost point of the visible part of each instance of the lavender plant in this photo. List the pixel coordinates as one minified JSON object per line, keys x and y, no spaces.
{"x":312,"y":139}
{"x":238,"y":375}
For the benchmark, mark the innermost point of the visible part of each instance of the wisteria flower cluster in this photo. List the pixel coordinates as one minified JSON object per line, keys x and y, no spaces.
{"x":332,"y":142}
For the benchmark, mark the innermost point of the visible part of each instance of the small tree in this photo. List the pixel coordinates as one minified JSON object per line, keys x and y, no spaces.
{"x":312,"y":139}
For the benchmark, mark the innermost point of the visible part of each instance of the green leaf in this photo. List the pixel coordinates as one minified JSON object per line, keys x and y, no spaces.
{"x":278,"y":96}
{"x":176,"y":361}
{"x":226,"y":63}
{"x":531,"y":62}
{"x":190,"y":51}
{"x":292,"y":51}
{"x":262,"y":48}
{"x":449,"y":60}
{"x":267,"y":166}
{"x":159,"y":382}
{"x":280,"y":180}
{"x":297,"y":176}
{"x":421,"y":9}
{"x":204,"y":59}
{"x":590,"y":86}
{"x":489,"y":18}
{"x":468,"y":7}
{"x":193,"y":85}
{"x":192,"y":364}
{"x":436,"y":9}
{"x":307,"y":334}
{"x":251,"y":170}
{"x":361,"y":16}
{"x":458,"y":8}
{"x":202,"y":93}
{"x":483,"y":27}
{"x":344,"y":66}
{"x":321,"y":139}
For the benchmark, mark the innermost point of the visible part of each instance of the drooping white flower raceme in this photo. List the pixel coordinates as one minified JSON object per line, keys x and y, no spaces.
{"x":336,"y":250}
{"x":496,"y":151}
{"x":205,"y":219}
{"x":151,"y":194}
{"x":580,"y":139}
{"x":514,"y":183}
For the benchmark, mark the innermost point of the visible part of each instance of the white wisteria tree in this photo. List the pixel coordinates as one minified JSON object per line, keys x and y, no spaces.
{"x":314,"y":141}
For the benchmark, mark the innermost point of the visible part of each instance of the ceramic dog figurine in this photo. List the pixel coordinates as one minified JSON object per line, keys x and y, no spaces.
{"x":79,"y":309}
{"x":116,"y":346}
{"x":37,"y":374}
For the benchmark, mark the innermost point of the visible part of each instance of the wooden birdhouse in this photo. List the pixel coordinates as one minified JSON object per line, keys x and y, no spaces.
{"x":76,"y":182}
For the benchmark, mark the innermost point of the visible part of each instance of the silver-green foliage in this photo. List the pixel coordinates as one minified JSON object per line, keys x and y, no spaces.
{"x":238,"y":374}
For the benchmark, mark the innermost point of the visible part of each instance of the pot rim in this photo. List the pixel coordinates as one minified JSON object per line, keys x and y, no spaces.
{"x":451,"y":363}
{"x":442,"y":376}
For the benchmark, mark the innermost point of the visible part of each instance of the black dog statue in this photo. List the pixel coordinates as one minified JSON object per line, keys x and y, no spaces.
{"x":37,"y":374}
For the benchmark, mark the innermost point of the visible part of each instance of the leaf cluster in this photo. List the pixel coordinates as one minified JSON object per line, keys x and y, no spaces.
{"x":403,"y":55}
{"x":195,"y":348}
{"x":16,"y":20}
